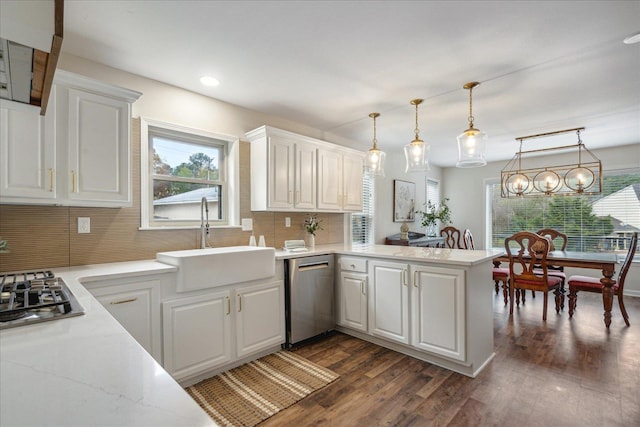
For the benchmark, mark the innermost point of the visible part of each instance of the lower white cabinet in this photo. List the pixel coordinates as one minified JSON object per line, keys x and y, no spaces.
{"x":389,"y":299}
{"x":259,"y":317}
{"x":439,"y":311}
{"x":215,"y":328}
{"x":197,"y":333}
{"x":352,"y":304}
{"x":136,"y":305}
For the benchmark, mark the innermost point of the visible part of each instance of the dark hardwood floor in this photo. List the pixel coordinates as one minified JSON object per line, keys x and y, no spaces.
{"x":562,"y":373}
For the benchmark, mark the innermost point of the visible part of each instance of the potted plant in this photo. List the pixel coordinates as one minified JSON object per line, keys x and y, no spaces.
{"x":311,"y":225}
{"x":435,"y":212}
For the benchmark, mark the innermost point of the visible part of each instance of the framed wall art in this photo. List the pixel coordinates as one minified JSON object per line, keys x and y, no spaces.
{"x":404,"y":196}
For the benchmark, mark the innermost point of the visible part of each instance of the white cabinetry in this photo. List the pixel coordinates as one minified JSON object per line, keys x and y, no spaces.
{"x":135,"y":304}
{"x":389,"y":299}
{"x":352,"y":293}
{"x":291,"y":172}
{"x":220,"y":326}
{"x":197,"y":333}
{"x":81,"y":149}
{"x":339,"y":180}
{"x":259,"y":317}
{"x":439,"y":311}
{"x":286,"y":164}
{"x":27,"y":152}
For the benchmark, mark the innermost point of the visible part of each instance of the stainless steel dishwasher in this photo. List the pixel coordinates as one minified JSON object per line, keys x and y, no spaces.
{"x":309,"y":297}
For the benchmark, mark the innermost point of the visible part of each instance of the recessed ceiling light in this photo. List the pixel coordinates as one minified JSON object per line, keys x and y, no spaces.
{"x":209,"y":81}
{"x":632,"y":39}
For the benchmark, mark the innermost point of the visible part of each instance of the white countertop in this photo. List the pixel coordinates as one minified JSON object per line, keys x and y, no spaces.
{"x":460,"y":257}
{"x":88,"y":370}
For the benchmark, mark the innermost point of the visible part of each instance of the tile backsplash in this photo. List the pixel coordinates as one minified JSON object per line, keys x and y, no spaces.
{"x":46,"y":236}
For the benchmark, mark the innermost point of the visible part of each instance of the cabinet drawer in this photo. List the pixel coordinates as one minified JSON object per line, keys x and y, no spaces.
{"x":353,"y":264}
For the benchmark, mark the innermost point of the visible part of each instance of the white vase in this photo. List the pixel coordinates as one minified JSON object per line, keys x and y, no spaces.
{"x":311,"y":241}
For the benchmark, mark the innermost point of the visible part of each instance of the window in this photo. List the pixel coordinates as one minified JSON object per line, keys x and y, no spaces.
{"x":362,"y":224}
{"x":433,"y":192}
{"x":598,"y":223}
{"x":184,"y":166}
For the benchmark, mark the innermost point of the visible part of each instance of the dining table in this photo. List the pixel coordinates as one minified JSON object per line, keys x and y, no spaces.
{"x":603,"y":261}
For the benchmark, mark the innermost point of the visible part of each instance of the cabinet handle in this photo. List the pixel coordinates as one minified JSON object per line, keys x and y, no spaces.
{"x":404,"y":277}
{"x":353,"y":266}
{"x":363,"y":287}
{"x":228,"y":306}
{"x":73,"y":181}
{"x":124,"y":301}
{"x":289,"y":197}
{"x":51,"y":180}
{"x":415,"y":279}
{"x":239,"y":303}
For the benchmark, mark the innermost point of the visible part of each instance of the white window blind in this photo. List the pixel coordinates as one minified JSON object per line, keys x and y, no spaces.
{"x":599,"y":223}
{"x":433,"y":192}
{"x":362,"y":223}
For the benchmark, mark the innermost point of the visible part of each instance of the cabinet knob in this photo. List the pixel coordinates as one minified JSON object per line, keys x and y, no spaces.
{"x":353,"y":266}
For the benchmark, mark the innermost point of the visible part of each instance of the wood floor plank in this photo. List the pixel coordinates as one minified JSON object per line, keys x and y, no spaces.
{"x":567,"y":372}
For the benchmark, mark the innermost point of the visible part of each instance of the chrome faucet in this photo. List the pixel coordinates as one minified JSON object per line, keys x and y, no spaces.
{"x":204,"y":227}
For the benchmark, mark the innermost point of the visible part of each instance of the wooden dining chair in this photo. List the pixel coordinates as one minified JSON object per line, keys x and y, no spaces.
{"x":593,"y":284}
{"x":559,"y":242}
{"x":467,"y":239}
{"x":527,"y":252}
{"x":451,"y":237}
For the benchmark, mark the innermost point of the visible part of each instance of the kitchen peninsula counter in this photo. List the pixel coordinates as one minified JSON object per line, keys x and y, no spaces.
{"x":88,"y":370}
{"x":444,"y":256}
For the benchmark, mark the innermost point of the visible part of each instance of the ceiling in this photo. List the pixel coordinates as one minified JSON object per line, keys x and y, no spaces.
{"x":543,"y":65}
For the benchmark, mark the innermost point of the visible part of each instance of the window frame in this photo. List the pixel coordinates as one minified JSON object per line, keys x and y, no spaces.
{"x":229,"y":174}
{"x":368,"y":211}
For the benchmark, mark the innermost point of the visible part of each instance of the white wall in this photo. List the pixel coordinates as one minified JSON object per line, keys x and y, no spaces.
{"x":466,"y":189}
{"x":394,"y":169}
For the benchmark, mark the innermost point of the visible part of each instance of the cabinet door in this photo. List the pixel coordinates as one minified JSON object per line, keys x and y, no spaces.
{"x":281,"y":172}
{"x":330,"y":194}
{"x":353,"y":167}
{"x":389,"y":310}
{"x":137,"y":307}
{"x":259,"y":314}
{"x":98,"y":155}
{"x":27,"y":152}
{"x":439,"y":311}
{"x":352,"y":295}
{"x":305,"y":197}
{"x":197,"y":333}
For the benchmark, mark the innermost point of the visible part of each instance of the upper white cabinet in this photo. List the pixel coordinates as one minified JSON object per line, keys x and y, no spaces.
{"x":339,"y":180}
{"x":286,"y":175}
{"x":82,"y":147}
{"x":27,"y":153}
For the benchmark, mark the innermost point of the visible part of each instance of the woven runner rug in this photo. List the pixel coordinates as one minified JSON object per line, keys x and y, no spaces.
{"x":251,"y":393}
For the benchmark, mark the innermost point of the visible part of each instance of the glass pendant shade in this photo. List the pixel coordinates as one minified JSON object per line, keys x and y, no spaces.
{"x":471,"y":146}
{"x":518,"y":184}
{"x":546,"y":182}
{"x":375,"y":157}
{"x":417,"y":156}
{"x":472,"y":142}
{"x":579,"y":179}
{"x":416,"y":152}
{"x":375,"y":162}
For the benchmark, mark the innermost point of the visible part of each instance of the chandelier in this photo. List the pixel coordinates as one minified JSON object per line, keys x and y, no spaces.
{"x":417,"y":151}
{"x":375,"y":157}
{"x":583,"y":177}
{"x":471,"y":142}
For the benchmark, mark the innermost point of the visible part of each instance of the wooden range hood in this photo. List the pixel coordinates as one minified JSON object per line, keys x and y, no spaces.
{"x":28,"y":71}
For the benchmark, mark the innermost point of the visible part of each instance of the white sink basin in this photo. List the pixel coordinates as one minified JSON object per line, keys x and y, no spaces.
{"x":212,"y":267}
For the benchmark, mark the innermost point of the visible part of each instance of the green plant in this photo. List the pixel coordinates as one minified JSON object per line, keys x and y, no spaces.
{"x":434,"y":212}
{"x":312,"y":224}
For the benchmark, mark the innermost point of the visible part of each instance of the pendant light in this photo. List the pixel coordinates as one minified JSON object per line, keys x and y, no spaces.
{"x":417,"y":151}
{"x":375,"y":157}
{"x":471,"y":142}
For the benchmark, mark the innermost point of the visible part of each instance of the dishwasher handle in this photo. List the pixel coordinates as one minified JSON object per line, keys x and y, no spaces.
{"x":313,"y":266}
